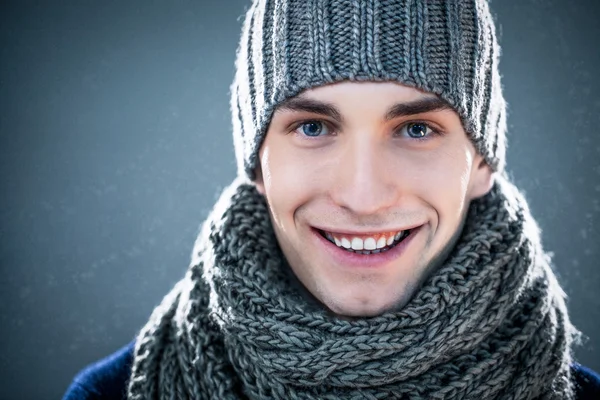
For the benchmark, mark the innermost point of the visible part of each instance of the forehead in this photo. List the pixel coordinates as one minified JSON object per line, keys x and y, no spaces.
{"x":354,"y":99}
{"x":366,"y":89}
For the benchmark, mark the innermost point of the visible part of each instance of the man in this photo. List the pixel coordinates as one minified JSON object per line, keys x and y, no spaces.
{"x":372,"y":246}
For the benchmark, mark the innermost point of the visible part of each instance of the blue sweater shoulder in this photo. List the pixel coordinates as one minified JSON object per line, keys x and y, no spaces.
{"x":587,"y":383}
{"x":104,"y":379}
{"x":107,"y":379}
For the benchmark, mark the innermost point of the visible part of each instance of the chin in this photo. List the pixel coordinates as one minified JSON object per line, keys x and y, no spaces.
{"x":360,"y":306}
{"x":357,"y":311}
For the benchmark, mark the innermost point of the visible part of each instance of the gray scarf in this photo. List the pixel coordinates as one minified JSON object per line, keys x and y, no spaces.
{"x":490,"y":323}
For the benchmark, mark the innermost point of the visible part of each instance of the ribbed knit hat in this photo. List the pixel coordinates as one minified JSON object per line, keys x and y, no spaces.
{"x":446,"y":47}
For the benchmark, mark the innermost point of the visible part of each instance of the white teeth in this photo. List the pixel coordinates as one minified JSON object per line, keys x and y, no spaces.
{"x":357,"y":244}
{"x":370,"y":244}
{"x":346,"y":243}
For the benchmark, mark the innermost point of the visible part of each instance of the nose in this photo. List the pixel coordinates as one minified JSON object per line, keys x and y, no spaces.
{"x":364,"y":181}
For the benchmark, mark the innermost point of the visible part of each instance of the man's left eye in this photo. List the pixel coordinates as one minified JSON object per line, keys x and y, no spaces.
{"x":313,"y":128}
{"x":417,"y":130}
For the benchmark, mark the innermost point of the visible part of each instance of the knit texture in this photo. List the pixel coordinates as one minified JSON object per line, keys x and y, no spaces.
{"x":490,"y":323}
{"x":446,"y":47}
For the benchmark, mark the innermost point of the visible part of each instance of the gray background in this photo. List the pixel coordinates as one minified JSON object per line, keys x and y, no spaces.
{"x":115,"y":140}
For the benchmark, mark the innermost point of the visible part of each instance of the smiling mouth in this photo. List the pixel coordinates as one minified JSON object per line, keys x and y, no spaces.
{"x":371,"y":244}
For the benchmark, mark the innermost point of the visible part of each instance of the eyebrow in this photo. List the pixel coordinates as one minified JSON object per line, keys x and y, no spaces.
{"x":421,"y":106}
{"x":312,"y":106}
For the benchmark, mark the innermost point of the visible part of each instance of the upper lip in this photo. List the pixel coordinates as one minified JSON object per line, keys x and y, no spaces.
{"x":350,"y":232}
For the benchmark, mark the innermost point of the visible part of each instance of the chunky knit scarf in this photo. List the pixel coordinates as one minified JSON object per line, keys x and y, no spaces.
{"x":490,"y":323}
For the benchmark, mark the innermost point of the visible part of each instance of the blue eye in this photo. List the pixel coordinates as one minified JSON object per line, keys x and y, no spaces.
{"x":418,"y":130}
{"x":313,"y":128}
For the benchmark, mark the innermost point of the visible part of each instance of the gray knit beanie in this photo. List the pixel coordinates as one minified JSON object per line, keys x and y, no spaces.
{"x":446,"y":47}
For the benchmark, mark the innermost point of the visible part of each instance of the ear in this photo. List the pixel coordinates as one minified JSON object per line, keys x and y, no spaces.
{"x":259,"y":181}
{"x":482,"y":178}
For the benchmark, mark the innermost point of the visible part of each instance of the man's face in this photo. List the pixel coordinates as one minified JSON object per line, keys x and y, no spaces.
{"x":376,"y":168}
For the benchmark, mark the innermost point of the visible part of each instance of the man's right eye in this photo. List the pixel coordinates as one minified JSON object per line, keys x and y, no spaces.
{"x":313,"y":128}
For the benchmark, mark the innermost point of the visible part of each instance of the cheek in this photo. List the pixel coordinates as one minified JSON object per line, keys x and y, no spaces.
{"x":290,"y":181}
{"x":444,"y":177}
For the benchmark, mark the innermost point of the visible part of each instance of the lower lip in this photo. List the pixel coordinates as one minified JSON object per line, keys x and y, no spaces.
{"x":355,"y":260}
